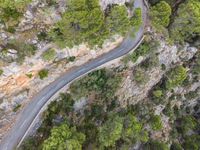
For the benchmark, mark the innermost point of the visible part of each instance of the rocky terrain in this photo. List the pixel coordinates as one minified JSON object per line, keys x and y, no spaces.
{"x":16,"y":86}
{"x":158,"y":83}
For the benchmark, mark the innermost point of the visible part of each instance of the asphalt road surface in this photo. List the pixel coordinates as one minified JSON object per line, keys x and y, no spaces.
{"x":30,"y":112}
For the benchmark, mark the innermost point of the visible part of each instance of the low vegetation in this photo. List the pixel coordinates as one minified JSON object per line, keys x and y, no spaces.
{"x":43,"y":73}
{"x":160,"y":14}
{"x":23,"y":49}
{"x":85,"y":22}
{"x":103,"y":124}
{"x":166,"y":118}
{"x":1,"y":72}
{"x":49,"y":55}
{"x":11,"y":12}
{"x":102,"y":83}
{"x":148,"y":47}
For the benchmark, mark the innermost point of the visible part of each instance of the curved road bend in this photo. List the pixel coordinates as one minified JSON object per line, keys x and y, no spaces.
{"x":29,"y":113}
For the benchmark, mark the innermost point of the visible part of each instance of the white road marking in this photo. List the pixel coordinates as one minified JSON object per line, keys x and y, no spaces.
{"x":102,"y":60}
{"x":6,"y":146}
{"x":23,"y":124}
{"x":41,"y":100}
{"x":80,"y":71}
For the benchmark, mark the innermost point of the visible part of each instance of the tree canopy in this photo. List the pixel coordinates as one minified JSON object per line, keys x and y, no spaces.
{"x":11,"y":10}
{"x":176,"y":77}
{"x":63,"y":137}
{"x":118,"y":24}
{"x":85,"y":22}
{"x":160,"y":14}
{"x":111,"y":131}
{"x":186,"y":25}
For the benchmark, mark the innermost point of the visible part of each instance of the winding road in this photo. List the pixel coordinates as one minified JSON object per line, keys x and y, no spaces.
{"x":31,"y":111}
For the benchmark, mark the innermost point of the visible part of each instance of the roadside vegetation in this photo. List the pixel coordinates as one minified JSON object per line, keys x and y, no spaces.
{"x":49,"y":55}
{"x":11,"y":12}
{"x":103,"y":124}
{"x":90,"y":114}
{"x":85,"y":22}
{"x":43,"y":74}
{"x":178,"y":20}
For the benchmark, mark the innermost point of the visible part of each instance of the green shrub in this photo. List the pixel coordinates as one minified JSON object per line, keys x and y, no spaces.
{"x":191,"y":95}
{"x":155,"y":145}
{"x":192,"y":143}
{"x":195,"y":68}
{"x":51,"y":2}
{"x":82,"y":22}
{"x":185,"y":26}
{"x":23,"y":49}
{"x":158,"y":93}
{"x":146,"y":48}
{"x":176,"y":146}
{"x":42,"y":36}
{"x":163,"y":67}
{"x":176,"y":77}
{"x":150,"y":62}
{"x":43,"y":73}
{"x":85,"y":22}
{"x":117,"y":20}
{"x":155,"y":122}
{"x":64,"y":137}
{"x":187,"y":123}
{"x":1,"y":72}
{"x":102,"y":82}
{"x":168,"y":111}
{"x":136,"y":20}
{"x":140,"y":76}
{"x":71,"y":58}
{"x":11,"y":11}
{"x":17,"y":107}
{"x":142,"y":50}
{"x":11,"y":29}
{"x":49,"y":55}
{"x":160,"y":14}
{"x":111,"y":131}
{"x":133,"y":130}
{"x":29,"y":75}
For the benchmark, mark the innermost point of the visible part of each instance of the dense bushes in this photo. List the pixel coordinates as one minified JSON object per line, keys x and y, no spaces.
{"x":148,"y":47}
{"x":23,"y":49}
{"x":1,"y":72}
{"x":155,"y":145}
{"x":105,"y":125}
{"x":186,"y":25}
{"x":111,"y":131}
{"x":49,"y":55}
{"x":63,"y":137}
{"x":114,"y":22}
{"x":155,"y":122}
{"x":43,"y":73}
{"x":176,"y":77}
{"x":101,"y":126}
{"x":136,"y":19}
{"x":184,"y":22}
{"x":140,"y":76}
{"x":103,"y":83}
{"x":160,"y":14}
{"x":84,"y":21}
{"x":11,"y":11}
